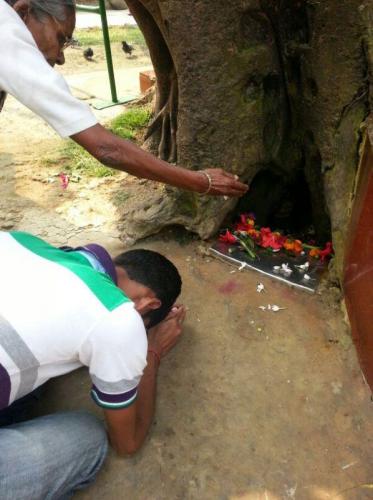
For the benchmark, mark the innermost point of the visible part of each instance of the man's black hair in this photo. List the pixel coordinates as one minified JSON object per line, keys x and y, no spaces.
{"x":157,"y":273}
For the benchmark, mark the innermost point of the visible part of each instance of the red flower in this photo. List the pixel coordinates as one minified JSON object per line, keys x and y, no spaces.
{"x":328,"y":250}
{"x":228,"y":237}
{"x":270,"y":240}
{"x":246,"y":223}
{"x":240,"y":226}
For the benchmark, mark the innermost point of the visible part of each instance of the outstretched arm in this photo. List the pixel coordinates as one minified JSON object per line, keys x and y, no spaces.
{"x":115,"y":152}
{"x":128,"y":427}
{"x":51,"y":100}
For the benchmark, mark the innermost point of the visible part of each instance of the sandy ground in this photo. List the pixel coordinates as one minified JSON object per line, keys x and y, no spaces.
{"x":251,"y":405}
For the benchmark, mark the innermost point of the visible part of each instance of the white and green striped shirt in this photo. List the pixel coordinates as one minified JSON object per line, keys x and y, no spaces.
{"x":58,"y":313}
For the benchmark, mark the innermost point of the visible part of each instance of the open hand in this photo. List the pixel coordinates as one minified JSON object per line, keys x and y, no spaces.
{"x":223,"y":183}
{"x":164,"y":336}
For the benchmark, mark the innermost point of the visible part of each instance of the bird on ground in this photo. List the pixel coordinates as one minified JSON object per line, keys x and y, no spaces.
{"x":74,"y":42}
{"x":127,"y":48}
{"x":88,"y":54}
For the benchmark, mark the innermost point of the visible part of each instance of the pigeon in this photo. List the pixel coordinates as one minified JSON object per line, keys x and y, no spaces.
{"x":88,"y":54}
{"x":75,"y":43}
{"x":127,"y":48}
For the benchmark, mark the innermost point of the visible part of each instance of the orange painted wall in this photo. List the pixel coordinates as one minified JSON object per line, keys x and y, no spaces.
{"x":358,"y":276}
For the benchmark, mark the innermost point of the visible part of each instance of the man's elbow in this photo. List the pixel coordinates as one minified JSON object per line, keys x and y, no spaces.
{"x":108,"y":154}
{"x":102,"y":144}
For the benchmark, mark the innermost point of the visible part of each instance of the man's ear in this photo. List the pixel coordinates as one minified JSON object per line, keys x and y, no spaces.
{"x":147,"y":304}
{"x":22,"y":7}
{"x":154,"y":303}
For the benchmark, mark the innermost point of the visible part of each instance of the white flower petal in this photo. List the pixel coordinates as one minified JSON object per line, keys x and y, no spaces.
{"x":304,"y":266}
{"x":277,"y":308}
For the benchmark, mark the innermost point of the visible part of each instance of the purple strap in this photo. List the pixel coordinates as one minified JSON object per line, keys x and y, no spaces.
{"x":101,"y":255}
{"x":104,"y":258}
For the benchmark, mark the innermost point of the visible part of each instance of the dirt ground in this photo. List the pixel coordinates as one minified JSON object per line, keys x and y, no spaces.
{"x":252,"y":405}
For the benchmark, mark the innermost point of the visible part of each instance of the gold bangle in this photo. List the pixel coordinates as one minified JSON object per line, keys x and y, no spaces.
{"x":208,"y":177}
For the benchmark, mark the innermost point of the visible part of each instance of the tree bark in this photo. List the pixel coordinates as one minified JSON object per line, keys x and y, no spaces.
{"x":247,"y":85}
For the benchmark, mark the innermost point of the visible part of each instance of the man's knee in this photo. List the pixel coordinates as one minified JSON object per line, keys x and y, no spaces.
{"x":89,"y":442}
{"x":85,"y":437}
{"x":86,"y":427}
{"x":64,"y":451}
{"x":92,"y":431}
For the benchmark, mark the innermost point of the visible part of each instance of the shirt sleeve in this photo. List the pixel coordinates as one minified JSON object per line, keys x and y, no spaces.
{"x":115,"y":352}
{"x":25,"y":74}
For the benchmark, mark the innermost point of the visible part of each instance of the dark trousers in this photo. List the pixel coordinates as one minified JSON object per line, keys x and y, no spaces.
{"x":21,"y":410}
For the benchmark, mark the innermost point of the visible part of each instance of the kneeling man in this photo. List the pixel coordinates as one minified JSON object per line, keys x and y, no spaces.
{"x":63,"y":308}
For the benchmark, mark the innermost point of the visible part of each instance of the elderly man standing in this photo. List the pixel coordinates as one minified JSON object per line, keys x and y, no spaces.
{"x":33,"y":36}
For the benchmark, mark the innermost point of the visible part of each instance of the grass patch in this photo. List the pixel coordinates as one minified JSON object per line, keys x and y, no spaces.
{"x":130,"y":123}
{"x":93,"y":36}
{"x":74,"y":160}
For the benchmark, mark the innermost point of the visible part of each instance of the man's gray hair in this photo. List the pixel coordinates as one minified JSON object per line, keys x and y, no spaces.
{"x":59,"y":9}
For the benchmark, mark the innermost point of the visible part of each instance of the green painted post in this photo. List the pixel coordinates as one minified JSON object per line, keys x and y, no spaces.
{"x":101,"y":10}
{"x":109,"y":60}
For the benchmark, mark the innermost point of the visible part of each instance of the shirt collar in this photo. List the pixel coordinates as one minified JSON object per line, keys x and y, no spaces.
{"x":101,"y":255}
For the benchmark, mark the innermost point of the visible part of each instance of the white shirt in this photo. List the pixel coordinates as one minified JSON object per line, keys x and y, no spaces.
{"x":58,"y":313}
{"x":25,"y":74}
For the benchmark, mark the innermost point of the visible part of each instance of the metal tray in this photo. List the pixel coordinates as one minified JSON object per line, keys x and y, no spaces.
{"x":267,"y":260}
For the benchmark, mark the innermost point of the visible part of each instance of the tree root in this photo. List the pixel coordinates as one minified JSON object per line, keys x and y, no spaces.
{"x":164,"y":125}
{"x":161,"y":135}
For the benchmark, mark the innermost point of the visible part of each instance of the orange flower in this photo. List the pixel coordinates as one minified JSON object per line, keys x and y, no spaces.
{"x":289,"y":245}
{"x":298,"y":247}
{"x":254,"y":233}
{"x":293,"y":246}
{"x":315,"y":252}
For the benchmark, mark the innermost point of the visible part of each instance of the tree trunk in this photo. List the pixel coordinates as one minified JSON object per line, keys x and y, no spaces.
{"x":248,"y":85}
